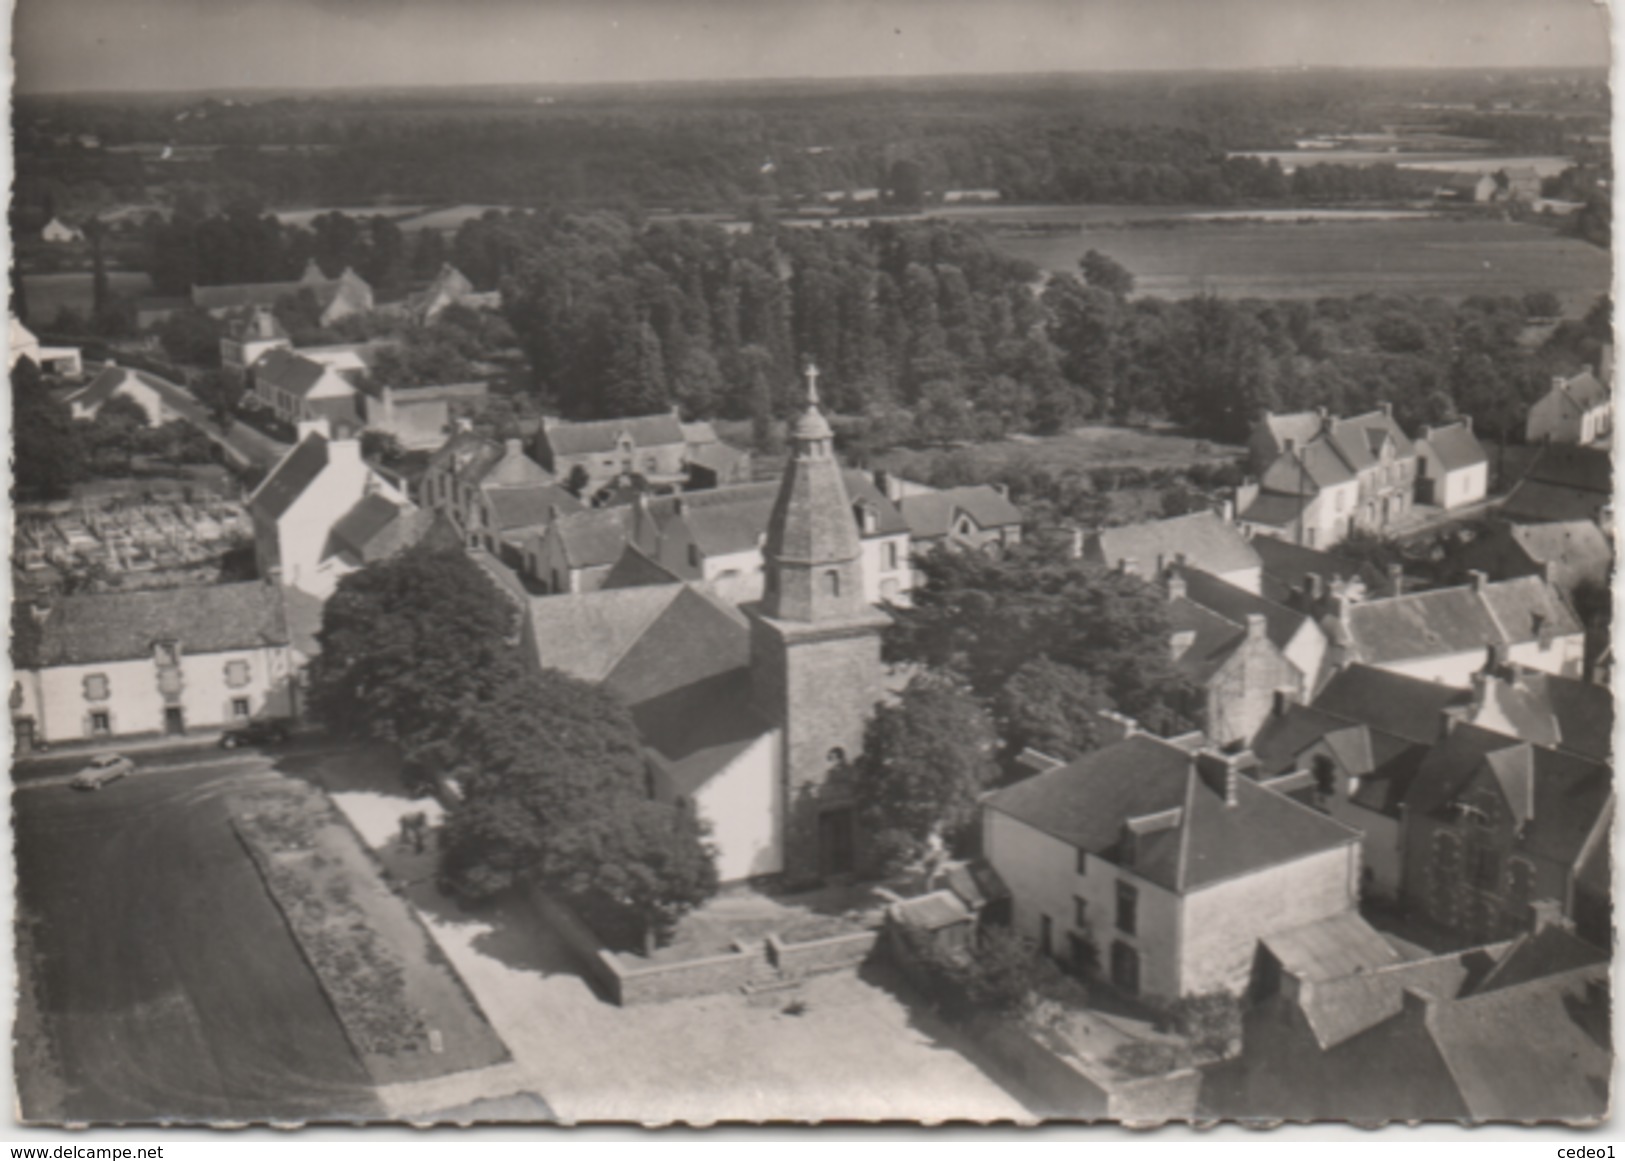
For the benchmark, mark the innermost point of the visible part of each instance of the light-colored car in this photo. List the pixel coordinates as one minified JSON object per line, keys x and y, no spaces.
{"x":103,"y":768}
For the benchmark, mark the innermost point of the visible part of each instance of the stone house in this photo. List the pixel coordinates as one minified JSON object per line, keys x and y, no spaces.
{"x":976,"y":516}
{"x":651,"y":446}
{"x":113,"y":381}
{"x":1569,"y":553}
{"x":449,"y":287}
{"x":495,"y":495}
{"x":1320,"y":478}
{"x":296,"y":388}
{"x":1164,"y":865}
{"x":336,"y":298}
{"x":62,"y":361}
{"x":1576,"y":410}
{"x":1496,"y":827}
{"x":306,"y":496}
{"x":1454,"y":468}
{"x":59,"y":232}
{"x":152,"y":662}
{"x":248,"y":336}
{"x":420,"y":418}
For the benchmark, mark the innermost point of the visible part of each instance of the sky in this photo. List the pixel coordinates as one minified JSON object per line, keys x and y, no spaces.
{"x":160,"y":45}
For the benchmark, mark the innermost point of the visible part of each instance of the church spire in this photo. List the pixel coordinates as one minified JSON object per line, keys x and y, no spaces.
{"x":812,"y":550}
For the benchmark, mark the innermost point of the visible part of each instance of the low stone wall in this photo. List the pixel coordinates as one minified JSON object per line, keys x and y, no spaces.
{"x":1055,"y":1087}
{"x":729,"y":972}
{"x":834,"y":953}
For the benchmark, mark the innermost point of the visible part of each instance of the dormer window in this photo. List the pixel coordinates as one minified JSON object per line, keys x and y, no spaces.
{"x":866,"y":518}
{"x":167,"y":653}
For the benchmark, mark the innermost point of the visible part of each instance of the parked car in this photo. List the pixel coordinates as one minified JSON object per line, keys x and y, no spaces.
{"x":267,"y":733}
{"x":103,"y":768}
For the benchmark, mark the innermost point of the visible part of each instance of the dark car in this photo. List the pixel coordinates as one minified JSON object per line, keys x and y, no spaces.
{"x":269,"y":733}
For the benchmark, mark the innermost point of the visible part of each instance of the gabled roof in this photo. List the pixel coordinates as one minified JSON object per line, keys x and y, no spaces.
{"x":586,"y":634}
{"x":1306,"y":470}
{"x":931,"y":515}
{"x":1582,"y":710}
{"x":1455,"y":620}
{"x":1274,"y":510}
{"x":1339,"y":1009}
{"x":568,"y":438}
{"x":1235,"y":604}
{"x":593,"y":538}
{"x":1089,"y":802}
{"x":635,"y":570}
{"x":721,"y":458}
{"x":1577,"y":551}
{"x":377,"y":527}
{"x":1586,"y":390}
{"x":513,"y":469}
{"x":288,"y":480}
{"x":527,"y":507}
{"x":290,"y":371}
{"x":1455,"y":447}
{"x":1204,"y":539}
{"x":1407,"y":707}
{"x":1287,"y":564}
{"x":1207,"y":639}
{"x":1567,"y":796}
{"x":1567,"y":465}
{"x":1326,"y":949}
{"x":1524,"y":605}
{"x":124,"y":626}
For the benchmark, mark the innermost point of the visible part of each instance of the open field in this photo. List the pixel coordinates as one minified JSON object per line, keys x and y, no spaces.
{"x":49,"y":293}
{"x":170,"y":986}
{"x":1435,"y":257}
{"x":1082,"y":449}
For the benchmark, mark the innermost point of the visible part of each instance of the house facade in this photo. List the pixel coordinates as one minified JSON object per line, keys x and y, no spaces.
{"x":296,"y":388}
{"x":602,"y":451}
{"x":114,"y":381}
{"x":65,"y":362}
{"x":336,"y":298}
{"x":1578,"y":410}
{"x":152,"y":663}
{"x":1147,"y":859}
{"x":978,"y":517}
{"x":247,"y":337}
{"x":1454,"y":469}
{"x":495,"y":495}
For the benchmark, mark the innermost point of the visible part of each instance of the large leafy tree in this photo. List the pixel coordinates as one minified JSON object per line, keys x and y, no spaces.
{"x":925,"y":761}
{"x":47,"y":448}
{"x":551,"y":772}
{"x":984,"y":619}
{"x":410,"y":648}
{"x":1050,"y":707}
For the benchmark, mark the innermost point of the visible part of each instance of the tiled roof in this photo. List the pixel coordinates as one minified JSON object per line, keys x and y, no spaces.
{"x":1088,"y":802}
{"x":100,"y":389}
{"x":1339,"y":1009}
{"x":1455,"y":620}
{"x":1274,"y":510}
{"x":1577,"y":550}
{"x":289,"y":479}
{"x":1204,"y":539}
{"x":524,"y":507}
{"x":289,"y":371}
{"x":720,"y":458}
{"x":634,"y":570}
{"x":1211,"y":641}
{"x":124,"y":626}
{"x":1455,"y":447}
{"x":250,"y":294}
{"x":1583,"y":711}
{"x":358,"y":527}
{"x":594,"y":537}
{"x":1326,"y":949}
{"x":1586,"y":390}
{"x":1407,"y":707}
{"x":931,"y":515}
{"x":1302,"y":472}
{"x":1541,"y":502}
{"x":586,"y":634}
{"x":1235,"y":604}
{"x":1588,"y":468}
{"x":514,"y":469}
{"x":1523,"y":605}
{"x":699,"y":434}
{"x":568,"y":439}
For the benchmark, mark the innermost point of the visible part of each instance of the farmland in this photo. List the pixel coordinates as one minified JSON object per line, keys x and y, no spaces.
{"x":1448,"y":258}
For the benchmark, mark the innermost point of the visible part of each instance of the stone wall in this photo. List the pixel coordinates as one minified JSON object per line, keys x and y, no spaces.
{"x":796,"y":960}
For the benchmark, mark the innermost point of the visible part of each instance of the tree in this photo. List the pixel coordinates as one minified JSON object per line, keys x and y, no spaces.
{"x":1106,"y":273}
{"x":220,"y":395}
{"x":48,"y":454}
{"x":925,"y":761}
{"x":191,"y":337}
{"x":1050,"y":707}
{"x":551,"y":773}
{"x":410,"y":648}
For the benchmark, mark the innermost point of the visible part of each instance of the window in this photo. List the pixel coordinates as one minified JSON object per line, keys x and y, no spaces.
{"x":239,"y":708}
{"x":891,"y":554}
{"x":236,"y":674}
{"x":693,"y":556}
{"x":1128,"y":908}
{"x":1080,"y":913}
{"x":1083,"y":862}
{"x":1325,"y":775}
{"x":832,"y":582}
{"x":101,"y":722}
{"x":167,"y":653}
{"x":96,"y":687}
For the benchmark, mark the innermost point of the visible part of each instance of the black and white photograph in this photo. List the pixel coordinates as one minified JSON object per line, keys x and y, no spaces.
{"x":710,"y":562}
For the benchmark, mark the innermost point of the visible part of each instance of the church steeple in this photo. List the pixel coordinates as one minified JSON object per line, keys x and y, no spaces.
{"x":813,"y":550}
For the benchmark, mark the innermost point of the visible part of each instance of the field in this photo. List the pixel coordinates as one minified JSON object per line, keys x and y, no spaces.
{"x":1441,"y":257}
{"x":1083,"y":448}
{"x":168,"y":981}
{"x":49,"y":293}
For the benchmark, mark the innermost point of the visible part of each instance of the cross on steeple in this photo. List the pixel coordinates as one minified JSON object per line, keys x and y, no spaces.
{"x":812,"y":384}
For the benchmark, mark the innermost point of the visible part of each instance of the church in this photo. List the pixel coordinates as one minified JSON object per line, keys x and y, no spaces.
{"x":750,"y":715}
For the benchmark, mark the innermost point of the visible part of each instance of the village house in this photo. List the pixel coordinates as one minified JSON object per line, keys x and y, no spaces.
{"x":1442,"y":634}
{"x":1321,"y":478}
{"x":59,"y":232}
{"x":420,"y":418}
{"x":311,"y":492}
{"x":979,"y":517}
{"x":1467,"y":187}
{"x":112,"y":382}
{"x":1304,"y":578}
{"x":63,"y":362}
{"x":749,"y":716}
{"x":1496,"y":827}
{"x":1295,"y":634}
{"x":1164,"y":864}
{"x":449,"y":287}
{"x":336,"y":298}
{"x":651,"y":446}
{"x":1454,"y":469}
{"x":1200,"y":540}
{"x":713,"y":536}
{"x":1572,"y":553}
{"x":1578,"y":410}
{"x":1345,"y":1028}
{"x":1564,"y":482}
{"x":295,"y":388}
{"x":495,"y":495}
{"x":248,"y":336}
{"x":151,"y":662}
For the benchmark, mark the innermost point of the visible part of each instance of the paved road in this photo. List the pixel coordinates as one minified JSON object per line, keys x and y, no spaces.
{"x":248,"y":445}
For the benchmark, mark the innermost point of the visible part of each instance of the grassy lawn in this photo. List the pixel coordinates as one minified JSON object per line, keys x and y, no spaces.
{"x":167,"y":983}
{"x":1083,"y":448}
{"x":1437,"y":257}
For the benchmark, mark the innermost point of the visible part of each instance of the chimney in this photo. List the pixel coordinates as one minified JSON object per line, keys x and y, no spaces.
{"x":1219,"y":772}
{"x":1387,"y":408}
{"x":1467,"y":422}
{"x":1548,"y":571}
{"x":1314,"y":587}
{"x":1227,"y":510}
{"x":1176,"y":587}
{"x":321,"y":427}
{"x":1283,"y":700}
{"x":1548,"y":913}
{"x":1559,"y":383}
{"x":1128,"y":566}
{"x":1325,"y":418}
{"x":515,"y":447}
{"x":463,"y":424}
{"x":1479,"y":579}
{"x":1495,"y":657}
{"x":1396,"y":580}
{"x":1257,"y":626}
{"x":1074,"y":547}
{"x":1288,"y":445}
{"x":1114,"y":727}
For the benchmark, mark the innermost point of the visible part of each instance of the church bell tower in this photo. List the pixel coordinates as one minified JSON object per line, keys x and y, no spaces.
{"x":815,"y":647}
